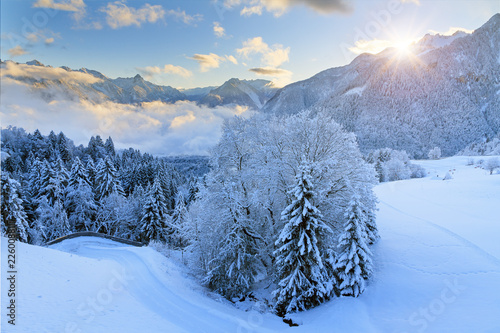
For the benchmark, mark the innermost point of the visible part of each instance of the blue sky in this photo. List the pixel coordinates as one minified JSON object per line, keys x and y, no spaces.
{"x":201,"y":43}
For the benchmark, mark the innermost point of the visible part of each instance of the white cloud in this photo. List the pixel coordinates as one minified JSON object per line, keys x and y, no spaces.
{"x":150,"y":71}
{"x":373,"y":46}
{"x":280,"y":77}
{"x":232,"y":59}
{"x":218,"y":30}
{"x":279,"y":7}
{"x":207,"y":61}
{"x":212,"y":60}
{"x":69,"y":6}
{"x":12,"y":69}
{"x":252,"y":10}
{"x":416,"y":2}
{"x":120,"y":15}
{"x":181,"y":15}
{"x":451,"y":31}
{"x":49,"y":41}
{"x":270,"y":56}
{"x":77,"y":7}
{"x":33,"y":37}
{"x":16,"y":51}
{"x":156,"y":127}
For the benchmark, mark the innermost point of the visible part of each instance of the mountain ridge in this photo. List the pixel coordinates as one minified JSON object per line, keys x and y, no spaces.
{"x":440,"y":95}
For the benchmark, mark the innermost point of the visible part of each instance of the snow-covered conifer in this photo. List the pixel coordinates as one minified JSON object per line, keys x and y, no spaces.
{"x":52,"y":220}
{"x":49,"y":184}
{"x":80,"y":205}
{"x":154,"y":215}
{"x":107,"y":180}
{"x":354,"y":263}
{"x":180,"y":216}
{"x":14,"y":219}
{"x":302,"y":279}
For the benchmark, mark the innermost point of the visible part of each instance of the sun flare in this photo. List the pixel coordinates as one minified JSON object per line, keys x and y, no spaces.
{"x":403,"y":48}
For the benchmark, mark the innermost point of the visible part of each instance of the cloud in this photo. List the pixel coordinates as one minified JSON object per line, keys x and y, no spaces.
{"x":39,"y":73}
{"x":33,"y":37}
{"x":156,"y":127}
{"x":151,"y":71}
{"x":280,"y":77}
{"x":207,"y":61}
{"x":451,"y":31}
{"x":181,"y":15}
{"x":49,"y":41}
{"x":232,"y":59}
{"x":69,"y":6}
{"x":416,"y":2}
{"x":120,"y":15}
{"x":249,"y":11}
{"x":279,"y":7}
{"x":270,"y":56}
{"x":212,"y":60}
{"x":16,"y":51}
{"x":270,"y":71}
{"x":370,"y":46}
{"x":77,"y":7}
{"x":218,"y":30}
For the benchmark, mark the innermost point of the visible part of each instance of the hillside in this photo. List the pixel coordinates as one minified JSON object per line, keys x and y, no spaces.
{"x":437,"y":265}
{"x":445,"y":92}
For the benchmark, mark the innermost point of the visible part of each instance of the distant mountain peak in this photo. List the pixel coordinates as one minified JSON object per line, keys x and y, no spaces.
{"x":35,"y":62}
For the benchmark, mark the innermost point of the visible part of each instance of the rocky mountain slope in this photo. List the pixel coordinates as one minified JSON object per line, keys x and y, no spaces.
{"x":445,"y":92}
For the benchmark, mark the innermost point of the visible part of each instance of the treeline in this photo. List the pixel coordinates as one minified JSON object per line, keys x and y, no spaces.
{"x":51,"y":188}
{"x":287,"y":199}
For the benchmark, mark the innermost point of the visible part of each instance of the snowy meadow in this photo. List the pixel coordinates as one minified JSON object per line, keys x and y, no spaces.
{"x":436,"y":270}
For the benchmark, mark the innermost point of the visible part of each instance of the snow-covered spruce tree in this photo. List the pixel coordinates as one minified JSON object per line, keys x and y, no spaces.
{"x":107,"y":180}
{"x":49,"y":184}
{"x":52,"y":220}
{"x":14,"y":219}
{"x":180,"y":216}
{"x":154,"y":215}
{"x":371,"y":227}
{"x":303,"y":281}
{"x":130,"y":228}
{"x":62,"y":173}
{"x":236,"y":264}
{"x":78,"y":173}
{"x":80,"y":205}
{"x":354,"y":263}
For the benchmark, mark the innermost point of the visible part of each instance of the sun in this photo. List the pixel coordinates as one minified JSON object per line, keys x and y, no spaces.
{"x":403,"y":48}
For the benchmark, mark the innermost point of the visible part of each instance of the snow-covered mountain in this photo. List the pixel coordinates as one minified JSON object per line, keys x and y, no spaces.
{"x":253,"y":93}
{"x":445,"y":93}
{"x":196,"y":94}
{"x":65,"y":81}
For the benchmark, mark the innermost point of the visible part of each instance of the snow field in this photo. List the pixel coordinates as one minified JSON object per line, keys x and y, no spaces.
{"x":436,"y":269}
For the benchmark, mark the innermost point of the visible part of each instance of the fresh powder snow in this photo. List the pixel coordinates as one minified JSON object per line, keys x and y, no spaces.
{"x":436,"y":264}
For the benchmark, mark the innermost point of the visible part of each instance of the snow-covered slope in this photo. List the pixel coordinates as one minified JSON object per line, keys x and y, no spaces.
{"x":437,"y":270}
{"x":49,"y":81}
{"x":252,"y":93}
{"x":445,"y":93}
